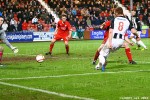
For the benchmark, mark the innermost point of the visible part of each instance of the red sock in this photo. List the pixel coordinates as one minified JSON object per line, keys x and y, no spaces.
{"x":67,"y":49}
{"x":128,"y":53}
{"x":51,"y":47}
{"x":96,"y":55}
{"x":1,"y":55}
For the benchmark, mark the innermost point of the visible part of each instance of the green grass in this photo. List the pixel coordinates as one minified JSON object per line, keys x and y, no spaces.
{"x":102,"y":85}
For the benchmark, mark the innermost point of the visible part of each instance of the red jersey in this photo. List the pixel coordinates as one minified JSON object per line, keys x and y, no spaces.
{"x":63,"y":27}
{"x":106,"y":34}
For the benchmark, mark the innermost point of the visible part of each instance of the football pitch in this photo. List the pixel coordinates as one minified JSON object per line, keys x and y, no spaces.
{"x":73,"y":77}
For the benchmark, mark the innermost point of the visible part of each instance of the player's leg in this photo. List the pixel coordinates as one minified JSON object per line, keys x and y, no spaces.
{"x":51,"y":47}
{"x":134,"y":40}
{"x":1,"y":53}
{"x":140,"y":42}
{"x":67,"y":47}
{"x":128,"y":53}
{"x":97,"y":54}
{"x":104,"y":53}
{"x":99,"y":49}
{"x":3,"y":37}
{"x":66,"y":41}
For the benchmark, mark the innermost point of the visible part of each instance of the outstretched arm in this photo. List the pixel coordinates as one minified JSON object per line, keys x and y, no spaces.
{"x":110,"y":38}
{"x":128,"y":41}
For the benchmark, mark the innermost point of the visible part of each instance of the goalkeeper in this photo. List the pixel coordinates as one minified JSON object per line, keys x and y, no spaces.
{"x":4,"y":40}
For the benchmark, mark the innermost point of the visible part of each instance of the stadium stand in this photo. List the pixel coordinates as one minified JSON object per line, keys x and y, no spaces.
{"x":81,"y":13}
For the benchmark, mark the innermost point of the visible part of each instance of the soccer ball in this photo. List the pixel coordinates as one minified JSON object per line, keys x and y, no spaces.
{"x":40,"y":58}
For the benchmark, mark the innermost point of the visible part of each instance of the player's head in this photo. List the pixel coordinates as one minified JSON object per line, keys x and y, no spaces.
{"x":133,"y":13}
{"x":64,"y":17}
{"x":118,"y":11}
{"x":1,"y":20}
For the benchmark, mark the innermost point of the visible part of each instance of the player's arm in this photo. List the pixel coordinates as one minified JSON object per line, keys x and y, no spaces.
{"x":70,"y":31}
{"x":128,"y":41}
{"x":56,"y":30}
{"x":102,"y":26}
{"x":111,"y":34}
{"x":110,"y":38}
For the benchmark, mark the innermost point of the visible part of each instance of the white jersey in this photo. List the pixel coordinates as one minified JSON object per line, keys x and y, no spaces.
{"x":120,"y":25}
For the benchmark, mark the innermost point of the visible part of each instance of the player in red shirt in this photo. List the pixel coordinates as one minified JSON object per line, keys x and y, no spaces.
{"x":105,"y":26}
{"x":63,"y":31}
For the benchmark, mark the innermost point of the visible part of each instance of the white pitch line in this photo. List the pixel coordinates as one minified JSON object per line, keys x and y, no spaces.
{"x":46,"y":91}
{"x":69,"y":75}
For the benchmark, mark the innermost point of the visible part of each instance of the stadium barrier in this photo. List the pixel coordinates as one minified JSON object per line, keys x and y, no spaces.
{"x":43,"y":36}
{"x":99,"y":34}
{"x":27,"y":36}
{"x":23,"y":36}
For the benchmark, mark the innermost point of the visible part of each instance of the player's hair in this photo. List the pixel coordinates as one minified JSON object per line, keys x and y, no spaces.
{"x":119,"y":10}
{"x":63,"y":15}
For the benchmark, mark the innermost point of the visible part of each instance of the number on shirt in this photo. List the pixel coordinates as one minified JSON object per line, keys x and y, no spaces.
{"x":121,"y":24}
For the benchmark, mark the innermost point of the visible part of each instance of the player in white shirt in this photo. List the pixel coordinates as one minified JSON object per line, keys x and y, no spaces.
{"x":137,"y":25}
{"x":118,"y":28}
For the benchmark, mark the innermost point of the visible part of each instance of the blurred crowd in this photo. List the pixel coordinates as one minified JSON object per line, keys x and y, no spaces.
{"x":82,"y":14}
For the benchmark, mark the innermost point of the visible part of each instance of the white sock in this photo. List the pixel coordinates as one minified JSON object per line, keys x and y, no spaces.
{"x":141,"y":44}
{"x":102,"y":59}
{"x":134,"y":40}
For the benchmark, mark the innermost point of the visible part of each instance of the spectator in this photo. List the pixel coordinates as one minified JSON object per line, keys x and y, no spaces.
{"x":19,"y":25}
{"x":75,"y":22}
{"x":74,"y":12}
{"x":5,"y":26}
{"x":40,"y":27}
{"x":24,"y":25}
{"x":52,"y":29}
{"x":80,"y":32}
{"x":35,"y":20}
{"x":88,"y":21}
{"x":31,"y":29}
{"x":13,"y":25}
{"x":0,"y":13}
{"x":47,"y":20}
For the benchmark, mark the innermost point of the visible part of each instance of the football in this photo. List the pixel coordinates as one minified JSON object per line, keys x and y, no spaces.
{"x":40,"y":58}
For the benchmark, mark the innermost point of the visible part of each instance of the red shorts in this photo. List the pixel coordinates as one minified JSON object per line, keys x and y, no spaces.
{"x":59,"y":37}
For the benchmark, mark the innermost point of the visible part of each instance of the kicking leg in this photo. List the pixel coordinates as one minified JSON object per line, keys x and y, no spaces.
{"x":141,"y":44}
{"x":97,"y":54}
{"x":135,"y":41}
{"x":104,"y":53}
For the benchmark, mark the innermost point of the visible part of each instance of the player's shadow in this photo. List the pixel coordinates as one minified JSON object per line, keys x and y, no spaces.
{"x":120,"y":64}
